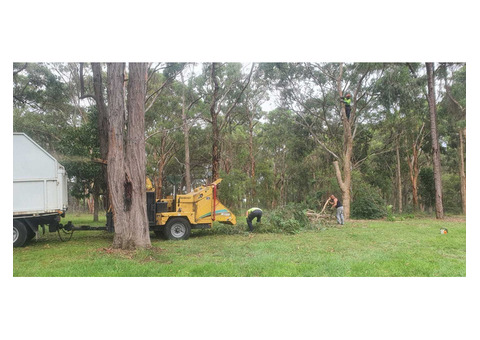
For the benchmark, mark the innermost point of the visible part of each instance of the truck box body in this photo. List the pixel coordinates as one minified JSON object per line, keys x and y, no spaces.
{"x":39,"y":181}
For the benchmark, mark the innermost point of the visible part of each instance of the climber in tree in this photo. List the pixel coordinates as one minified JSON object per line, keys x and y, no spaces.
{"x":347,"y":100}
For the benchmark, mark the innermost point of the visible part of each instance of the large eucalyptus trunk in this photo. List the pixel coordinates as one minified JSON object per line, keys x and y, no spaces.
{"x":344,"y":185}
{"x":126,"y":156}
{"x":435,"y":147}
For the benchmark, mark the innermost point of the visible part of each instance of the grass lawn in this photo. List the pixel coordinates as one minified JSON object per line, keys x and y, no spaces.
{"x":412,"y":247}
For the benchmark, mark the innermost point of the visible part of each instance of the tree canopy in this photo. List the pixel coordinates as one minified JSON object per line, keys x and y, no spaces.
{"x":275,"y":132}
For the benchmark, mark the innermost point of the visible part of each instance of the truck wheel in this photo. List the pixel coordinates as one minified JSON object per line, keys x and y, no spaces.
{"x":177,"y":229}
{"x":19,"y":234}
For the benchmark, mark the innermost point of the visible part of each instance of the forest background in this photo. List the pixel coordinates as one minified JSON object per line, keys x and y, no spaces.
{"x":274,"y":132}
{"x":416,"y":32}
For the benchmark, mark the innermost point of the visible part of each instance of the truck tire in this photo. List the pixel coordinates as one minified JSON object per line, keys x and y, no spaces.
{"x":19,"y":234}
{"x":177,"y":229}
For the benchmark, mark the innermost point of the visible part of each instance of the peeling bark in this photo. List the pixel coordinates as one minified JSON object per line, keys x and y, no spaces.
{"x":126,"y":156}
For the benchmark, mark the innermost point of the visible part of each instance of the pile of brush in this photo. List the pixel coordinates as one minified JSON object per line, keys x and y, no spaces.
{"x":322,"y":216}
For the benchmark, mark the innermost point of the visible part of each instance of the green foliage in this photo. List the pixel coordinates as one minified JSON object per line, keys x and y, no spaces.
{"x":390,"y":216}
{"x":367,"y":202}
{"x":37,"y":89}
{"x":368,"y":207}
{"x":292,"y":164}
{"x":289,"y":219}
{"x":315,"y":200}
{"x":452,"y":201}
{"x":77,"y":152}
{"x":426,"y":187}
{"x":232,"y":190}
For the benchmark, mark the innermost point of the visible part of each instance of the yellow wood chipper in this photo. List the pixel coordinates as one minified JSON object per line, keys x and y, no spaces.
{"x":175,"y":216}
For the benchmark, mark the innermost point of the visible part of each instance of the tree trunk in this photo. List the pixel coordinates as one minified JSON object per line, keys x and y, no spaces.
{"x":96,"y":201}
{"x":115,"y":160}
{"x":166,"y":152}
{"x":398,"y":176}
{"x":227,"y":156}
{"x":463,"y":177}
{"x":158,"y":182}
{"x":136,"y":158}
{"x":90,"y":204}
{"x":461,"y":148}
{"x":215,"y":108}
{"x":126,"y":156}
{"x":345,"y":183}
{"x":344,"y":187}
{"x":188,"y":179}
{"x":283,"y":188}
{"x":252,"y":156}
{"x":102,"y":119}
{"x":215,"y":128}
{"x":435,"y":147}
{"x":275,"y":186}
{"x":414,"y":171}
{"x":186,"y":131}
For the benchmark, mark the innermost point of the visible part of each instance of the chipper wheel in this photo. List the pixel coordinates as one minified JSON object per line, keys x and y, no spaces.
{"x":177,"y":229}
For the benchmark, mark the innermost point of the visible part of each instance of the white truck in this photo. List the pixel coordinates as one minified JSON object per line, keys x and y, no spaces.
{"x":39,"y":190}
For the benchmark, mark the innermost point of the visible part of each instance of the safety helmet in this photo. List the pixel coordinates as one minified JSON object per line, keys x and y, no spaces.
{"x":348,"y":95}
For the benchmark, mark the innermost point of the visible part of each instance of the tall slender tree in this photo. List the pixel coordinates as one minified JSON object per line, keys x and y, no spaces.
{"x":102,"y":123}
{"x":189,"y":99}
{"x":457,"y":99}
{"x":437,"y":172}
{"x":223,"y":100}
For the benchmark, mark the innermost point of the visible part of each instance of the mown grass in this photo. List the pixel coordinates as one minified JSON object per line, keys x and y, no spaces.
{"x":413,"y":247}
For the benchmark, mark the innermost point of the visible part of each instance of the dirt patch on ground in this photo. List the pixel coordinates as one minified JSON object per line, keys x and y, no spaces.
{"x":149,"y":255}
{"x":118,"y":252}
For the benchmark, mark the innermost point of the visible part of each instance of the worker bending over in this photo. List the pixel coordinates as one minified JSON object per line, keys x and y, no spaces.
{"x":251,"y":214}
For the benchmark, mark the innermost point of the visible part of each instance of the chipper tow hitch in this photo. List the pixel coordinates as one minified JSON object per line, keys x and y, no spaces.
{"x":69,"y":228}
